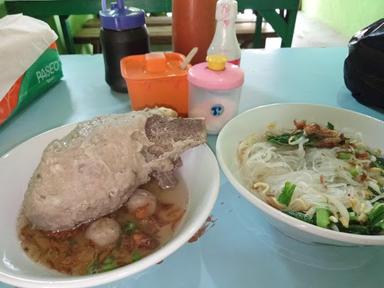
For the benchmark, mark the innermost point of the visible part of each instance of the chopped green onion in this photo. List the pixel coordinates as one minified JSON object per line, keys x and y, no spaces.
{"x":344,"y":155}
{"x":109,"y":264}
{"x":354,"y":172}
{"x":136,"y":256}
{"x":352,"y":216}
{"x":380,"y":224}
{"x":129,"y":227}
{"x":286,"y":194}
{"x":330,"y":126}
{"x":322,"y":217}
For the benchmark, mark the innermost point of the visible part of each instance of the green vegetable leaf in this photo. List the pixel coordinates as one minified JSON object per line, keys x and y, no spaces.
{"x":330,"y":126}
{"x":380,"y":224}
{"x":93,"y":267}
{"x":352,"y":216}
{"x":129,"y":228}
{"x":109,"y":264}
{"x":284,"y":138}
{"x":279,"y":139}
{"x":286,"y":194}
{"x":136,"y":255}
{"x":354,"y":172}
{"x":379,"y":163}
{"x":376,"y":215}
{"x":356,"y":229}
{"x":344,"y":155}
{"x":322,"y":217}
{"x":300,"y":215}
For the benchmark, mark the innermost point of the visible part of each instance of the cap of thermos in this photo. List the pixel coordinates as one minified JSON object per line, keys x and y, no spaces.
{"x":118,"y":17}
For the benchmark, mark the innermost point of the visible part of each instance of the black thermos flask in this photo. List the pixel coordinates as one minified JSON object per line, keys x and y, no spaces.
{"x":123,"y":32}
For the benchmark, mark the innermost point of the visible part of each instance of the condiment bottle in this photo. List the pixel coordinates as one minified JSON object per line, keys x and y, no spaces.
{"x":225,"y":40}
{"x":123,"y":32}
{"x":214,"y":91}
{"x":193,"y":25}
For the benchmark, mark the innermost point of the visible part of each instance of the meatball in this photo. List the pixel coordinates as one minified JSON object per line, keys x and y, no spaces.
{"x":103,"y":232}
{"x":142,"y":204}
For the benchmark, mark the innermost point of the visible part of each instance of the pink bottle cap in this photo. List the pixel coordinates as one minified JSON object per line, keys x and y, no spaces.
{"x":230,"y":78}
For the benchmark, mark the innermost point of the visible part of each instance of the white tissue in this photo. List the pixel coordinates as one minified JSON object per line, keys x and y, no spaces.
{"x":23,"y":40}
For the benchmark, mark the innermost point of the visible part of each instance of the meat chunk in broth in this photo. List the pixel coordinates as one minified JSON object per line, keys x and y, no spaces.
{"x":103,"y":232}
{"x":142,"y":204}
{"x":94,"y":170}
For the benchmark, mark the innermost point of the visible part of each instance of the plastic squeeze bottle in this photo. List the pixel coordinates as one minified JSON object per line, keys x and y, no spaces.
{"x":123,"y":32}
{"x":225,"y":41}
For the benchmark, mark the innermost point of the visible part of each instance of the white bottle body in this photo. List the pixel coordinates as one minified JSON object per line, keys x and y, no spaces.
{"x":225,"y":41}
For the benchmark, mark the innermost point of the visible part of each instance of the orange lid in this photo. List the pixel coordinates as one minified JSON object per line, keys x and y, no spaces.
{"x":152,"y":66}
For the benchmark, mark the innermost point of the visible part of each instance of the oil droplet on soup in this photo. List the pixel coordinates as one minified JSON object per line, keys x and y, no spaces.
{"x":71,"y":252}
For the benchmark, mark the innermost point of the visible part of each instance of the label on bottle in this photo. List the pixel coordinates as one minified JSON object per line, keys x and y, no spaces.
{"x":217,"y":110}
{"x":235,"y":61}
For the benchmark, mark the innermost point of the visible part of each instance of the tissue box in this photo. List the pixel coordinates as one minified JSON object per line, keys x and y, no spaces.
{"x":44,"y":73}
{"x":37,"y":69}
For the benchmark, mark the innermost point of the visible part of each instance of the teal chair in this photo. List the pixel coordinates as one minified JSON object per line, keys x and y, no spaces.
{"x":44,"y":9}
{"x":280,"y":14}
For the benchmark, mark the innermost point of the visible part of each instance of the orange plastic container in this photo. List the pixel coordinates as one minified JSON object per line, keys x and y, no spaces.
{"x":156,"y":79}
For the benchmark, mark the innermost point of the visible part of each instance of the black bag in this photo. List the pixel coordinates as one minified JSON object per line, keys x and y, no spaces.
{"x":364,"y":66}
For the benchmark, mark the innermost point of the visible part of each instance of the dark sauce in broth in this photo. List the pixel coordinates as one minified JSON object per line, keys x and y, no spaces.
{"x":72,"y":253}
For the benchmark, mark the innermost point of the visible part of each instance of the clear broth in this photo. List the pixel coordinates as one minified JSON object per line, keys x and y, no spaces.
{"x":72,"y":253}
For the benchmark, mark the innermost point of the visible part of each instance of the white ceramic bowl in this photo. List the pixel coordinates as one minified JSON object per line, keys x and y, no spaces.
{"x":200,"y":172}
{"x":256,"y":121}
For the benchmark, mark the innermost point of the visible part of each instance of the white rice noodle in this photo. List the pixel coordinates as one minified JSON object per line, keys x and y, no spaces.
{"x":344,"y":215}
{"x":377,"y":198}
{"x":321,"y":179}
{"x":261,"y":188}
{"x":373,"y":185}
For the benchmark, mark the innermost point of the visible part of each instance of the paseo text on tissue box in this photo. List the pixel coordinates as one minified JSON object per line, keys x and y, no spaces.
{"x":39,"y":68}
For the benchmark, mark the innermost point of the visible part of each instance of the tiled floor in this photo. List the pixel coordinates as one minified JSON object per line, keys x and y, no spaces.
{"x":310,"y":32}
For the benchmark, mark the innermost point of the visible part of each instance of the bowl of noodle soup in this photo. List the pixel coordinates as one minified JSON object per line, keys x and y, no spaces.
{"x":315,"y":172}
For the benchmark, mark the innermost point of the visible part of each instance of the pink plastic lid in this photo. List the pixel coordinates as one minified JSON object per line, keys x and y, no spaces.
{"x":230,"y":78}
